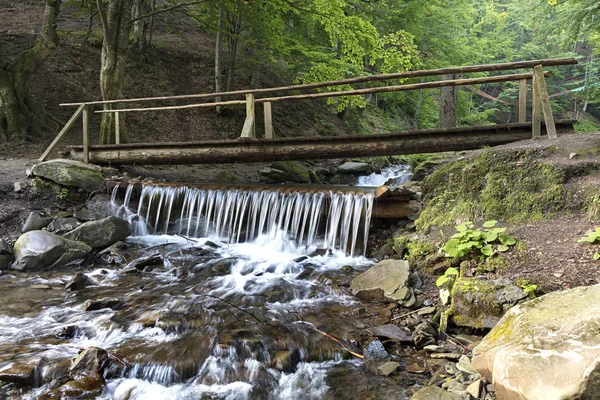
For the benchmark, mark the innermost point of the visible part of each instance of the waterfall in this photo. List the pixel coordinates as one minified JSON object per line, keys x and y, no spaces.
{"x":328,"y":220}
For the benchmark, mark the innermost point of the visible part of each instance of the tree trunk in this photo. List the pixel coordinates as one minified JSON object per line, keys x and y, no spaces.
{"x":116,"y":25}
{"x":139,"y":35}
{"x":20,"y":116}
{"x":448,"y":100}
{"x":236,"y":28}
{"x":218,"y":51}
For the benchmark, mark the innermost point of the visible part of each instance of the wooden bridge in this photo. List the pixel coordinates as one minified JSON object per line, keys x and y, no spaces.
{"x":250,"y":148}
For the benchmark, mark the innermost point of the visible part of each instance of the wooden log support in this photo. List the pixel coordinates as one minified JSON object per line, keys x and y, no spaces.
{"x":281,"y":149}
{"x":62,"y":132}
{"x":540,"y":81}
{"x":249,"y":129}
{"x":448,"y":102}
{"x":522,"y":114}
{"x":86,"y":136}
{"x":117,"y":128}
{"x":269,"y":134}
{"x":536,"y":127}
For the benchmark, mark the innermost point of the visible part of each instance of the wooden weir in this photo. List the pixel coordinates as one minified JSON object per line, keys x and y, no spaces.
{"x":250,"y":148}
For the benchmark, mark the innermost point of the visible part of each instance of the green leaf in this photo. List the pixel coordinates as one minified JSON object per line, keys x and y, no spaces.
{"x":506,"y":239}
{"x":490,"y":224}
{"x":442,"y":280}
{"x":451,"y":271}
{"x":487,"y":250}
{"x":597,"y":256}
{"x":464,"y":226}
{"x":502,"y":248}
{"x":491,"y":236}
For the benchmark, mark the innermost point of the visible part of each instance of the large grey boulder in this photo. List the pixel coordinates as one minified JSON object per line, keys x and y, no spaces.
{"x":387,"y":281}
{"x":272,"y":175}
{"x":70,"y":173}
{"x":101,"y":233}
{"x":35,"y":221}
{"x":480,"y":303}
{"x":351,"y":167}
{"x":61,"y":225}
{"x":547,"y":348}
{"x":41,"y":249}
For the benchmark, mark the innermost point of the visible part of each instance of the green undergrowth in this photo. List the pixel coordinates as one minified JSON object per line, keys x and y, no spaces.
{"x":513,"y":186}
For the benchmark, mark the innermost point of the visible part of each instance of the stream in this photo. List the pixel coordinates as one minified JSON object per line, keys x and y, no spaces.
{"x":219,"y":294}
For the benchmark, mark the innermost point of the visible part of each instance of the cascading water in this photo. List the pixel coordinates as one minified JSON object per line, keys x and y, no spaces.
{"x":241,"y":215}
{"x":223,"y":295}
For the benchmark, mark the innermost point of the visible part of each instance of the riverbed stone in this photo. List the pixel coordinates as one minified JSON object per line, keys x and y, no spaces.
{"x":62,"y":225}
{"x":89,"y":361}
{"x":480,"y":303}
{"x":226,"y":176}
{"x":78,"y":282}
{"x":351,"y":167}
{"x":35,"y":221}
{"x":86,"y":387}
{"x":101,"y":233}
{"x":70,"y":173}
{"x":20,"y":373}
{"x":294,"y":171}
{"x":99,"y":304}
{"x":546,"y":348}
{"x":387,"y":368}
{"x":386,"y":281}
{"x":435,"y":393}
{"x":41,"y":249}
{"x":272,"y":175}
{"x":391,"y":332}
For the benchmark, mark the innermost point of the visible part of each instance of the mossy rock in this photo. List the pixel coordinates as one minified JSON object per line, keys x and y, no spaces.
{"x":226,"y":176}
{"x":101,"y":233}
{"x":294,"y":171}
{"x":70,"y":173}
{"x":514,"y":186}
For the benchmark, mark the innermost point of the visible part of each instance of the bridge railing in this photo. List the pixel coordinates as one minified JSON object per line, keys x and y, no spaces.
{"x":541,"y":100}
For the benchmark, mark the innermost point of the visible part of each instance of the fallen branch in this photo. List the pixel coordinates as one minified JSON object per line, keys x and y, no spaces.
{"x":334,"y":339}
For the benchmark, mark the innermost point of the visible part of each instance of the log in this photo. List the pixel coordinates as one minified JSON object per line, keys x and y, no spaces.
{"x":522,"y":114}
{"x":281,"y":149}
{"x":349,"y":81}
{"x":540,"y":81}
{"x":536,"y":127}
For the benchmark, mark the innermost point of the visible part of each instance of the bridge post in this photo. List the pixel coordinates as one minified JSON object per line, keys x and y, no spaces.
{"x":448,"y":100}
{"x":540,"y":81}
{"x":522,"y":114}
{"x":536,"y":118}
{"x":117,"y":128}
{"x":86,"y":138}
{"x":249,"y":130}
{"x":268,"y":121}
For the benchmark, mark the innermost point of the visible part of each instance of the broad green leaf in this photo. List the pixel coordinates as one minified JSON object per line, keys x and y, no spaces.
{"x":490,"y":224}
{"x":487,"y":250}
{"x":502,"y":248}
{"x":464,"y":226}
{"x":442,"y":280}
{"x":506,"y":239}
{"x":597,"y":256}
{"x":491,"y":236}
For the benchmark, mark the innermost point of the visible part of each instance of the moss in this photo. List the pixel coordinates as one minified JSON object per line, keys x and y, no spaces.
{"x":418,"y":249}
{"x":512,"y":185}
{"x":492,"y":264}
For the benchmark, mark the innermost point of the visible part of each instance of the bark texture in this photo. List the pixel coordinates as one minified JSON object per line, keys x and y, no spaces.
{"x":116,"y":26}
{"x":20,"y":116}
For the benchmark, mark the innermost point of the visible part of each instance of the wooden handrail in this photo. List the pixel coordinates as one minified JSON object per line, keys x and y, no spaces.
{"x":373,"y":78}
{"x":385,"y":89}
{"x":62,"y":132}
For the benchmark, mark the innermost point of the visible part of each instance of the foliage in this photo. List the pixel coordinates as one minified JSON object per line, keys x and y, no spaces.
{"x":586,"y":125}
{"x":482,"y":242}
{"x":529,"y":288}
{"x":592,"y":237}
{"x":62,"y":194}
{"x":445,"y":283}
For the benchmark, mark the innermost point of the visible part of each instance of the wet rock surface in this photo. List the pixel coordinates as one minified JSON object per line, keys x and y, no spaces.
{"x":70,"y":173}
{"x":388,"y":280}
{"x":40,"y":249}
{"x":101,"y":233}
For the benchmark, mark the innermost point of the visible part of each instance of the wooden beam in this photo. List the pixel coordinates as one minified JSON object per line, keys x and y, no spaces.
{"x":86,"y":137}
{"x":362,"y":79}
{"x":62,"y":132}
{"x":234,"y":151}
{"x":545,"y":100}
{"x":536,"y":127}
{"x":117,"y":129}
{"x":523,"y":100}
{"x":269,"y":134}
{"x":249,"y":129}
{"x":386,"y":89}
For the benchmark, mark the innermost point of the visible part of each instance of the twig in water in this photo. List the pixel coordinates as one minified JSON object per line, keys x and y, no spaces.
{"x":117,"y":359}
{"x":233,"y":305}
{"x":334,"y":339}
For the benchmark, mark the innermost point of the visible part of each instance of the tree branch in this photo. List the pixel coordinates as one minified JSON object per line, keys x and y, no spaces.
{"x":167,"y":9}
{"x":103,"y":19}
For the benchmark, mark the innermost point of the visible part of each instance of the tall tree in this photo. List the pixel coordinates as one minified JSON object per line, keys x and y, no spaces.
{"x":116,"y":27}
{"x":20,"y":116}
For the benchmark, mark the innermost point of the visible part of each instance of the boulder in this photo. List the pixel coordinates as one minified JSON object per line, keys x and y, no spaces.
{"x":392,"y":332}
{"x":78,"y":282}
{"x":91,"y":360}
{"x":5,"y":248}
{"x":272,"y":175}
{"x":547,"y":348}
{"x":35,"y":221}
{"x":41,"y":249}
{"x":99,"y":304}
{"x":70,"y":173}
{"x":351,"y":167}
{"x":86,"y":387}
{"x":480,"y":303}
{"x":387,"y":281}
{"x":62,"y":225}
{"x":20,"y":373}
{"x":435,"y":393}
{"x":226,"y":176}
{"x":101,"y":233}
{"x":294,"y":171}
{"x":341,"y":179}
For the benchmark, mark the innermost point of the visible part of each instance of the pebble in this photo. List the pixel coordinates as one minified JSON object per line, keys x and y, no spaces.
{"x":447,"y":356}
{"x":426,"y":311}
{"x":388,"y":368}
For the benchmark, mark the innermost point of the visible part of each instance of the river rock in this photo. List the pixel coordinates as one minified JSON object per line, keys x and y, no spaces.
{"x":143,"y":263}
{"x":41,"y":249}
{"x":385,"y":281}
{"x":86,"y":387}
{"x":35,"y":221}
{"x":70,"y":173}
{"x":62,"y":225}
{"x":99,"y":304}
{"x":20,"y":373}
{"x":294,"y":171}
{"x":435,"y":393}
{"x":547,"y":348}
{"x":387,"y":368}
{"x":78,"y":282}
{"x":272,"y":175}
{"x":343,"y":179}
{"x":480,"y":303}
{"x":392,"y":332}
{"x":5,"y":248}
{"x":351,"y":167}
{"x":375,"y":351}
{"x":90,"y":361}
{"x":226,"y":176}
{"x":101,"y":233}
